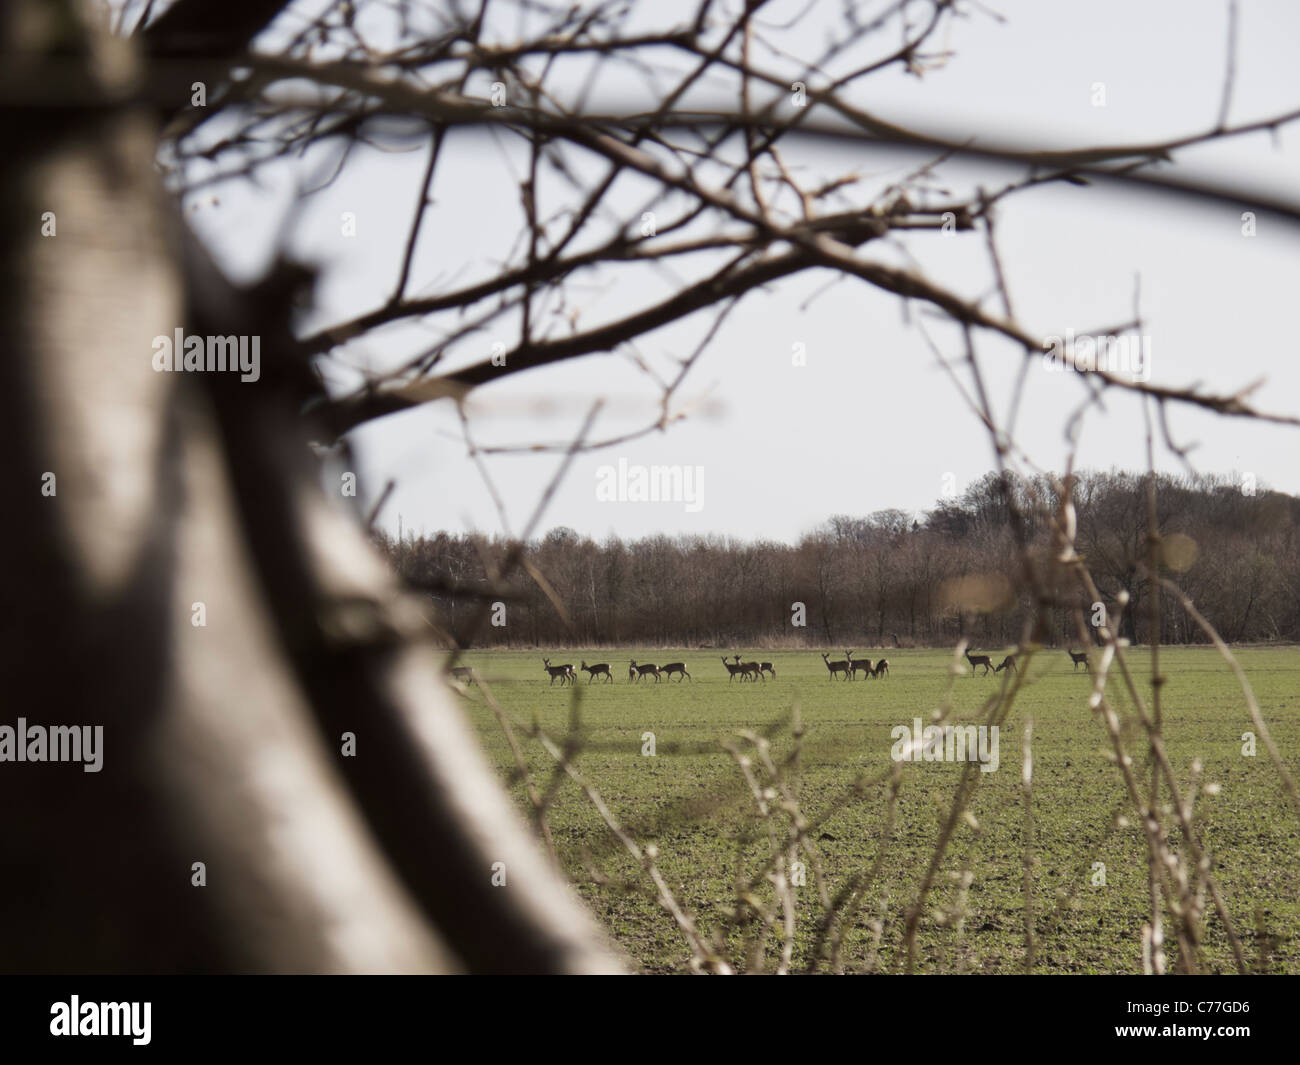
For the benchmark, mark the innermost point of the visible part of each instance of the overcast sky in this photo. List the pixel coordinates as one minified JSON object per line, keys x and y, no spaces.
{"x":869,"y":422}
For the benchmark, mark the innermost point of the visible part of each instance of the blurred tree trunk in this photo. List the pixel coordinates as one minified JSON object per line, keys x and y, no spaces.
{"x":137,"y":497}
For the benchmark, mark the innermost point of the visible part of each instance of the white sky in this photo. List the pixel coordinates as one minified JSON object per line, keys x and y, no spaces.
{"x":869,"y":422}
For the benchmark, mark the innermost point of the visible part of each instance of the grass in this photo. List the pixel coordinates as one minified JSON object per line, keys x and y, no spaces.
{"x":690,"y":801}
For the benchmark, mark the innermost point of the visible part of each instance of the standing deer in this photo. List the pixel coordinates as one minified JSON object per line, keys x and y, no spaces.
{"x":1007,"y":663}
{"x":766,"y":667}
{"x":750,"y":670}
{"x":645,"y":671}
{"x":564,"y":672}
{"x":835,"y":667}
{"x":601,"y":669}
{"x":881,"y":667}
{"x":1077,"y":657}
{"x":864,"y":665}
{"x":979,"y":660}
{"x":675,"y":667}
{"x":734,"y":669}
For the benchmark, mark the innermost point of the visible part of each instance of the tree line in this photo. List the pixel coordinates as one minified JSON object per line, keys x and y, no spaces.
{"x":888,"y":578}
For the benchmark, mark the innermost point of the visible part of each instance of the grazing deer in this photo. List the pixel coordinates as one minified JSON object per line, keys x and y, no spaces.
{"x":1077,"y":657}
{"x":675,"y":667}
{"x":645,"y":671}
{"x":835,"y":667}
{"x":766,"y":667}
{"x":734,"y":669}
{"x":1007,"y":663}
{"x":881,"y":667}
{"x":979,"y":660}
{"x":462,"y":673}
{"x":601,"y":669}
{"x":565,"y":672}
{"x":864,"y":665}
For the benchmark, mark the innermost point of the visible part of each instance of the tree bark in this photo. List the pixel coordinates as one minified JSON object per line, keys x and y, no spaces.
{"x":222,"y":741}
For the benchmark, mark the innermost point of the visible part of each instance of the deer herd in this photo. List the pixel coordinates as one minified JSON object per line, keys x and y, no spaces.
{"x":984,"y":660}
{"x":751,"y":671}
{"x":846,"y":668}
{"x":1009,"y":663}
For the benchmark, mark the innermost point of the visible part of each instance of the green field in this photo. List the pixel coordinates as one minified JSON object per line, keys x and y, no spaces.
{"x":690,"y":801}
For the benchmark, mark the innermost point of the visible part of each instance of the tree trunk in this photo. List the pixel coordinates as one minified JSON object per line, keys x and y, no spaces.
{"x":181,"y":583}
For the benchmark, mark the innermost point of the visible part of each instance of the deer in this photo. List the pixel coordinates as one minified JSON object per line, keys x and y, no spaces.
{"x":734,"y":669}
{"x":835,"y":667}
{"x":864,"y":665}
{"x":463,"y":673}
{"x":1007,"y":663}
{"x":1077,"y":657}
{"x":675,"y":667}
{"x":881,"y":667}
{"x":644,"y":671}
{"x":601,"y":669}
{"x":979,"y":660}
{"x":750,"y":670}
{"x":766,"y":667}
{"x":564,"y":672}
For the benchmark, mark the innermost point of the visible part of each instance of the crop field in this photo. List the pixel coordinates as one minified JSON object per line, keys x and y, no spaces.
{"x":653,"y":752}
